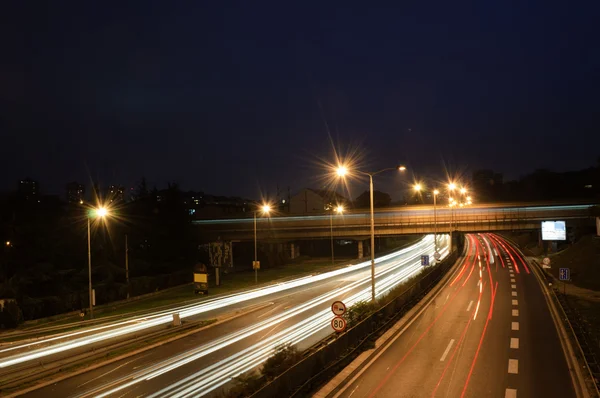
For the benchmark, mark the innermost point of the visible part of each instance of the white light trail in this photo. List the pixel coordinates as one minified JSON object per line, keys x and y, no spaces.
{"x":101,"y":333}
{"x":221,"y":372}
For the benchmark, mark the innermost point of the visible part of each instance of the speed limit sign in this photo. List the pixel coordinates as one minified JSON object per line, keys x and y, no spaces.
{"x":338,"y":324}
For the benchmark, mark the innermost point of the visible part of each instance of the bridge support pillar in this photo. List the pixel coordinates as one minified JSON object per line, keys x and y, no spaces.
{"x":294,"y":250}
{"x":360,"y":249}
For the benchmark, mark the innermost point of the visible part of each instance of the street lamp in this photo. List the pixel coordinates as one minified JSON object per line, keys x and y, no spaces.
{"x":265,"y":209}
{"x":435,"y":194}
{"x":338,"y":210}
{"x":343,"y":171}
{"x":100,"y":212}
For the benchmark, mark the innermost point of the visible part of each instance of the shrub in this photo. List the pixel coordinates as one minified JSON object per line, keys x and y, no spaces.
{"x":358,"y":312}
{"x":10,"y":314}
{"x":285,"y":356}
{"x":245,"y":385}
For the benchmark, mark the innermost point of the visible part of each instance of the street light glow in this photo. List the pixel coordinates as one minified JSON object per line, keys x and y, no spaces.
{"x":342,"y":171}
{"x":417,"y":187}
{"x":436,"y":192}
{"x":468,"y":198}
{"x":452,"y":186}
{"x":101,"y":212}
{"x":401,"y":168}
{"x":7,"y":243}
{"x":339,"y":209}
{"x":266,"y":209}
{"x":463,"y":190}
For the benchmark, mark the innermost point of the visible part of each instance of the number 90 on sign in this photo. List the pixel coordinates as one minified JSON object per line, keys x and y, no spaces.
{"x":338,"y":324}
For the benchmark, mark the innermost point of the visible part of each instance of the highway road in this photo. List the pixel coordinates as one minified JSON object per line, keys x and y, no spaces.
{"x":295,"y":312}
{"x":488,"y":333}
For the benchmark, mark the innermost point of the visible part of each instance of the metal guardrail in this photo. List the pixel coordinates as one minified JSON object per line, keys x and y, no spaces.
{"x":585,"y":339}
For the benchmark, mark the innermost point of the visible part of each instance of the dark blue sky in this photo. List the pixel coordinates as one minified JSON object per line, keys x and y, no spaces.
{"x":234,"y":97}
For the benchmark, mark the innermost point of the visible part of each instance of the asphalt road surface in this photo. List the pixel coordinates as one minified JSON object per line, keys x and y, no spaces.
{"x":204,"y":363}
{"x":489,"y":333}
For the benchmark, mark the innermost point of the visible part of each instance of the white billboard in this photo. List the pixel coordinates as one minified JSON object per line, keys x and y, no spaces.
{"x":554,"y":230}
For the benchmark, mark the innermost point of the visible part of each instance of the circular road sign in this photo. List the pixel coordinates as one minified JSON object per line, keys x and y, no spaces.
{"x":338,"y":308}
{"x":546,"y":261}
{"x":437,"y":256}
{"x":338,"y":324}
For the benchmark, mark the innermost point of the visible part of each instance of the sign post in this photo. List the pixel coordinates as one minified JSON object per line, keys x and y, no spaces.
{"x":425,"y":260}
{"x":564,"y":274}
{"x":338,"y":323}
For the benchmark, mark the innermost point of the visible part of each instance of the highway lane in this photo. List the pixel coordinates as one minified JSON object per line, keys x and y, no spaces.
{"x":63,"y":345}
{"x":206,"y":362}
{"x":487,"y":334}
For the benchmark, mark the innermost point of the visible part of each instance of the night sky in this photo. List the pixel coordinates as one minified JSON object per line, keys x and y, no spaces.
{"x":234,"y":98}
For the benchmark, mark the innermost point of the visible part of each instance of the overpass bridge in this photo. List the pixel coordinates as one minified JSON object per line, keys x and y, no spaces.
{"x":397,"y":221}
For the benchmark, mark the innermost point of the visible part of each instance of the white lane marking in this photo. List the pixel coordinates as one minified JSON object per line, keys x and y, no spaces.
{"x":510,"y":393}
{"x":353,"y":391}
{"x":512,"y":280}
{"x":515,"y":312}
{"x":513,"y":286}
{"x":515,"y":302}
{"x":110,"y":371}
{"x":512,"y":275}
{"x":514,"y":343}
{"x":515,"y":326}
{"x":447,"y":297}
{"x":510,"y":267}
{"x":447,"y":350}
{"x":469,"y":306}
{"x":514,"y":294}
{"x":513,"y":366}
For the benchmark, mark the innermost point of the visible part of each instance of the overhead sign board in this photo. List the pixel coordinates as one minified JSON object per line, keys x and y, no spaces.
{"x":338,"y":324}
{"x":425,"y":260}
{"x":564,"y":274}
{"x":338,"y":308}
{"x":554,"y":230}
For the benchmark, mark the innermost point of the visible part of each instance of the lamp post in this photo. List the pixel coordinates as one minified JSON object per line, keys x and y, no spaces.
{"x":435,"y":194}
{"x":338,"y":210}
{"x":100,"y":212}
{"x":341,"y":172}
{"x":265,"y":210}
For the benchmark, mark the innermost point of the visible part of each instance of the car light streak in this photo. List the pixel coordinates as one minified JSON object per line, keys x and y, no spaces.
{"x":221,"y":372}
{"x":119,"y":329}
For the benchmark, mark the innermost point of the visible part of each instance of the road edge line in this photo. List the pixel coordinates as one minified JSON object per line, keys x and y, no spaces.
{"x":225,"y":318}
{"x":338,"y":385}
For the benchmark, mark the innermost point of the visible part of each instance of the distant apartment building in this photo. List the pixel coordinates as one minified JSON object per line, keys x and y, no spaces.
{"x":75,"y":193}
{"x":28,"y":190}
{"x":315,"y":201}
{"x":115,"y":193}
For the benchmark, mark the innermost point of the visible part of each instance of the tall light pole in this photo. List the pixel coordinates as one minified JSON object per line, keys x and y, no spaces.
{"x":265,"y":210}
{"x":100,"y":212}
{"x":435,"y":194}
{"x":451,"y":188}
{"x":341,"y":172}
{"x":338,"y":210}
